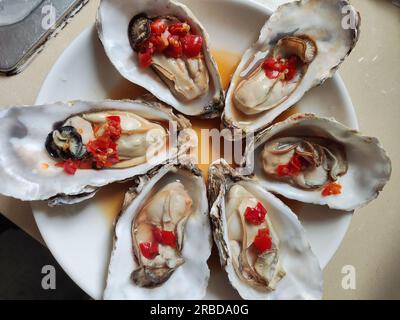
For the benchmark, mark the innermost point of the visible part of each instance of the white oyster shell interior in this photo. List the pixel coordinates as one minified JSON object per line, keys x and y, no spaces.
{"x":303,"y":278}
{"x":320,"y":20}
{"x":369,"y":167}
{"x":113,"y":20}
{"x":188,"y":281}
{"x":29,"y":173}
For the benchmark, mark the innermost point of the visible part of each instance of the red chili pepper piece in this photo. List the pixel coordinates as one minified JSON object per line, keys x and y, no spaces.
{"x":114,"y":127}
{"x":146,"y":58}
{"x":160,"y":42}
{"x":149,"y":250}
{"x":158,"y":26}
{"x":256,"y":215}
{"x":174,"y":49}
{"x":70,"y":166}
{"x":332,"y":189}
{"x":272,"y":68}
{"x":104,"y":148}
{"x":163,"y":237}
{"x":293,"y":168}
{"x":269,"y":63}
{"x":262,"y":241}
{"x":179,"y":29}
{"x":275,"y":67}
{"x":192,"y":45}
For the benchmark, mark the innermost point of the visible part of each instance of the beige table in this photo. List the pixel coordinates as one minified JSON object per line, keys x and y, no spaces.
{"x":371,"y":74}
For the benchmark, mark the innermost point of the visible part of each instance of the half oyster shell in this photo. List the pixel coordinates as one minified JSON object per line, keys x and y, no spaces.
{"x":320,"y":161}
{"x":36,"y":139}
{"x":261,"y":243}
{"x":162,"y":237}
{"x":190,"y":85}
{"x":301,"y":45}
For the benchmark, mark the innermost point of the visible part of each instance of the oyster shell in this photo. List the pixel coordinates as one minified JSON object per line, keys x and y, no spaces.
{"x":171,"y":198}
{"x":301,"y":45}
{"x":28,"y":163}
{"x":261,"y":243}
{"x":305,"y":156}
{"x":190,"y":85}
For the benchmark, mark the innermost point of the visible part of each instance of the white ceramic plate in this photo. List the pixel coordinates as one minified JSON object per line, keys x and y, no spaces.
{"x":80,"y":236}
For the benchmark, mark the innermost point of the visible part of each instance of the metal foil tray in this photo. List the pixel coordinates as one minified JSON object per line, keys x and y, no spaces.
{"x":21,"y":41}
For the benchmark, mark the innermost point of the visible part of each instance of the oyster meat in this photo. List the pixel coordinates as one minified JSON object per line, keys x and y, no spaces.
{"x":320,"y":161}
{"x":107,"y":139}
{"x":261,"y":243}
{"x":158,"y":234}
{"x":253,"y":241}
{"x":161,"y":46}
{"x":164,"y":222}
{"x":307,"y":163}
{"x":301,"y":45}
{"x":56,"y":152}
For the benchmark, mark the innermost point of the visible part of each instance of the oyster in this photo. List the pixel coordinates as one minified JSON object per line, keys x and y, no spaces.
{"x":261,"y":243}
{"x":305,"y":162}
{"x":109,"y":139}
{"x":302,"y":44}
{"x":55,"y":152}
{"x":320,"y":161}
{"x":164,"y":221}
{"x":162,"y":47}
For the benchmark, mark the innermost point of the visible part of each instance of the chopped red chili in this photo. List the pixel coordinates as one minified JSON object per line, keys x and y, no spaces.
{"x":262,"y":241}
{"x":114,"y":127}
{"x":158,"y":26}
{"x":192,"y":45}
{"x":159,"y":42}
{"x":104,"y":148}
{"x":180,"y":29}
{"x":69,"y":166}
{"x":256,"y":215}
{"x":274,"y":68}
{"x":174,"y":40}
{"x":332,"y":189}
{"x":149,"y":249}
{"x":163,"y":237}
{"x":174,"y":49}
{"x":293,"y":168}
{"x":145,"y":58}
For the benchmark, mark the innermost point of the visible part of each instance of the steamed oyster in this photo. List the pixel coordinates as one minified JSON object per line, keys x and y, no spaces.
{"x":56,"y":151}
{"x":161,"y":46}
{"x":158,"y":234}
{"x":305,"y":162}
{"x":318,"y":160}
{"x":302,"y":44}
{"x":164,"y":221}
{"x":106,"y":139}
{"x":261,"y":243}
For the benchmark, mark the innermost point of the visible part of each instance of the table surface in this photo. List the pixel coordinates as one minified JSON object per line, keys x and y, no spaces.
{"x":371,"y":75}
